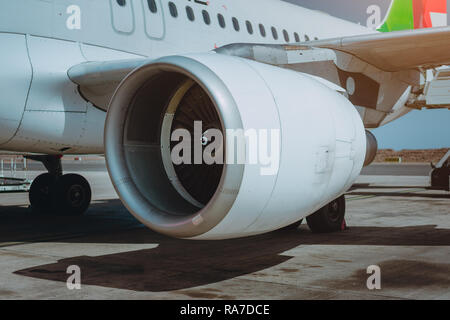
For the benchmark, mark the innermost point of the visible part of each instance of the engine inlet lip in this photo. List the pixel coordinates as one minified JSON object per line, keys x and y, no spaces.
{"x":215,"y":211}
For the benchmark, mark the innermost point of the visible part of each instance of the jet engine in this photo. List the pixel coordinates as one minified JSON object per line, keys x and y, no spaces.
{"x":291,"y":144}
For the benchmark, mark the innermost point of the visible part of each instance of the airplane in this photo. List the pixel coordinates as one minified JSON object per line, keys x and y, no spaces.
{"x":120,"y":77}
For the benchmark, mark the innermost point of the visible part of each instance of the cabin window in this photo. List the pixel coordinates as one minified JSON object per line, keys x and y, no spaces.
{"x":190,"y":13}
{"x":297,"y":37}
{"x":236,"y":24}
{"x":262,"y":30}
{"x":173,"y":9}
{"x":221,"y":20}
{"x":249,"y":27}
{"x":286,"y":35}
{"x":306,"y":37}
{"x":274,"y":33}
{"x":122,"y":3}
{"x":315,"y":38}
{"x":152,"y":6}
{"x":206,"y":17}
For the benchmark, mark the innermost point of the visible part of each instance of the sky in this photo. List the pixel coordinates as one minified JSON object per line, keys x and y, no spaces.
{"x":422,"y":129}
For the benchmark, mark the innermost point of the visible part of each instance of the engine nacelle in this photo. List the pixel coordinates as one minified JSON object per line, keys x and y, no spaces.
{"x":317,"y":154}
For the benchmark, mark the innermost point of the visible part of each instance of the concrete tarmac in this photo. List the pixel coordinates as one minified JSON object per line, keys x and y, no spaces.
{"x":395,"y":169}
{"x":394,"y":223}
{"x":98,"y":164}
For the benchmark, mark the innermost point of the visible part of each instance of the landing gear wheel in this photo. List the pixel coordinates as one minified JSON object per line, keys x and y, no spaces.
{"x":440,"y":178}
{"x":72,"y":195}
{"x":329,"y":218}
{"x":293,"y":226}
{"x":40,"y":194}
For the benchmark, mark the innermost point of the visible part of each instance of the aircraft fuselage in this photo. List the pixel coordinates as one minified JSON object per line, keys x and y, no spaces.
{"x":42,"y":110}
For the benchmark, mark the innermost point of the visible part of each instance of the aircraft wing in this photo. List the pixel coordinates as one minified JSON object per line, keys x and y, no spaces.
{"x":396,"y":51}
{"x":388,"y":65}
{"x":391,"y":52}
{"x":400,"y":51}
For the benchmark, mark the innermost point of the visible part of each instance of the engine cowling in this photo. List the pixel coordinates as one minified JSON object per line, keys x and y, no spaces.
{"x":322,"y":145}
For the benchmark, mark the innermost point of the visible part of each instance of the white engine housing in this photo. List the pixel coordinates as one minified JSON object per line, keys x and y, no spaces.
{"x":322,"y":140}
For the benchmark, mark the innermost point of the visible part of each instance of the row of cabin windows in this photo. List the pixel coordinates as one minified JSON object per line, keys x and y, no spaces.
{"x":221,"y":20}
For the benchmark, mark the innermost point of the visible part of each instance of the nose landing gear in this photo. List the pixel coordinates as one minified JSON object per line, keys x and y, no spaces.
{"x":56,"y":193}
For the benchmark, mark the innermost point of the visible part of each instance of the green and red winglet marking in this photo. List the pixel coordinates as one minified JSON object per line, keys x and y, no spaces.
{"x":415,"y":14}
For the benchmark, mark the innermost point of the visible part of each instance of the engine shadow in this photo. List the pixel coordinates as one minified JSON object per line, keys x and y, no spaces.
{"x":174,"y":264}
{"x":182,"y":264}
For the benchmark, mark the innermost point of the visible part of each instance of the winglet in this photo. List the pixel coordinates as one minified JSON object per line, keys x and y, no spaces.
{"x":415,"y":14}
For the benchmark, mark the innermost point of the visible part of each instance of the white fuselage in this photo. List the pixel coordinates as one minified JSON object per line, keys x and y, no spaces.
{"x":42,"y":111}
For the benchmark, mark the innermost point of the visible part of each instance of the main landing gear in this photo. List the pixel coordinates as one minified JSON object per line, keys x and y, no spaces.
{"x":329,"y":218}
{"x":440,"y":175}
{"x":53,"y":192}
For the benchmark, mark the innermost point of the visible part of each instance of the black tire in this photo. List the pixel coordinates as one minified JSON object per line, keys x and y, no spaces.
{"x":440,"y":178}
{"x":330,"y":218}
{"x":72,"y":195}
{"x":41,"y":194}
{"x":293,"y":226}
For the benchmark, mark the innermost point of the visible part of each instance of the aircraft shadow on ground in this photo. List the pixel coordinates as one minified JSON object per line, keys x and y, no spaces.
{"x":20,"y":224}
{"x":182,"y":264}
